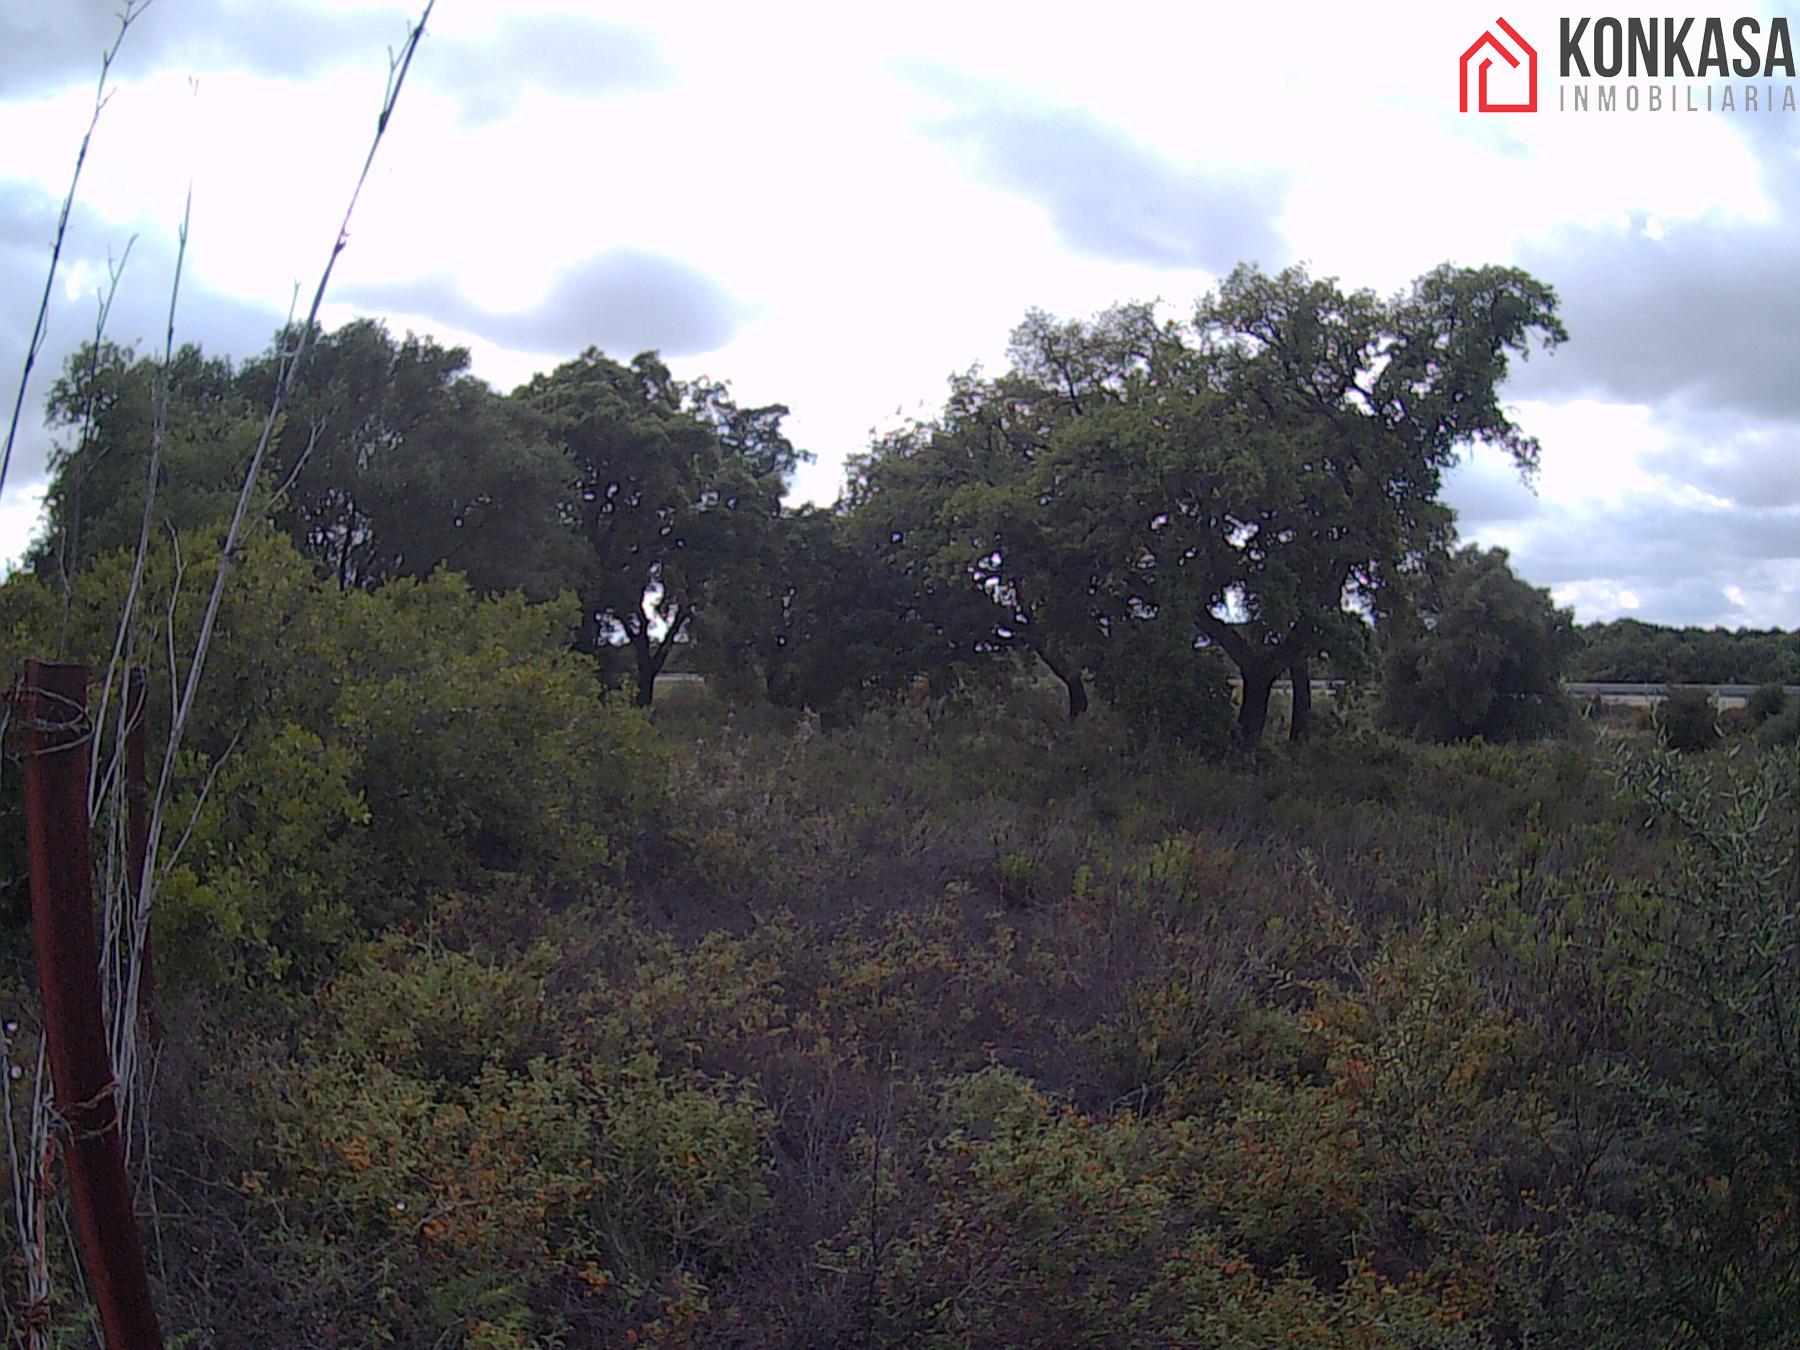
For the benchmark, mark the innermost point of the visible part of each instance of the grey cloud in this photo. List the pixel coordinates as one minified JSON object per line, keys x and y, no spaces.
{"x":1749,"y":463}
{"x":1485,"y":491}
{"x":564,"y":54}
{"x":1107,"y":194}
{"x":1706,"y":314}
{"x":46,"y":46}
{"x":1699,"y":602}
{"x":624,"y":301}
{"x":1702,"y":326}
{"x":221,"y":324}
{"x":1659,"y":541}
{"x":1677,"y":558}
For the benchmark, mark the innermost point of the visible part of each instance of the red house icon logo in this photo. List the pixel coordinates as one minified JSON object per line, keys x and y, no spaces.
{"x":1481,"y":56}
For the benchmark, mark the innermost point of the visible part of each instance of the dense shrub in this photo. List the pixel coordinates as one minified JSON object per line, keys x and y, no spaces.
{"x":1712,"y":959}
{"x":1155,"y":676}
{"x":961,"y":1026}
{"x":1766,"y":701}
{"x":446,"y":1163}
{"x":1482,"y":656}
{"x":1783,"y":730}
{"x":355,"y":755}
{"x":1045,"y":1225}
{"x":1688,"y":719}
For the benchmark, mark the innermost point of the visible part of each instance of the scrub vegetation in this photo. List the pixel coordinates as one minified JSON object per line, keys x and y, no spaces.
{"x":995,"y":945}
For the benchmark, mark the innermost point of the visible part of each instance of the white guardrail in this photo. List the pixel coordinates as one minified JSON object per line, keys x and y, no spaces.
{"x":1637,"y":695}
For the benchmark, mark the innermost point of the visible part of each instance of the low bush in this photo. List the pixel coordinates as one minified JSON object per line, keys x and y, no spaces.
{"x":1688,"y":720}
{"x":1783,"y":729}
{"x":1765,"y":702}
{"x":961,"y":1025}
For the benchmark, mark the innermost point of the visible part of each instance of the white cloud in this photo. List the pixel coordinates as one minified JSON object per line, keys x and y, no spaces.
{"x":19,"y":518}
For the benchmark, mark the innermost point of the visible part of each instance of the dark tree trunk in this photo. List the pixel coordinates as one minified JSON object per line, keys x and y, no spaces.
{"x":1253,"y":714}
{"x":646,"y":667}
{"x":1300,"y":725}
{"x":588,"y":639}
{"x":1078,"y":699}
{"x":1072,"y":681}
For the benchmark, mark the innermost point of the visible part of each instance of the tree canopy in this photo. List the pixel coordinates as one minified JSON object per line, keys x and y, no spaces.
{"x":1251,"y":482}
{"x":1254,"y":469}
{"x":393,"y":461}
{"x":105,"y":406}
{"x":1480,"y":655}
{"x":636,"y":491}
{"x":1633,"y":651}
{"x":673,"y":486}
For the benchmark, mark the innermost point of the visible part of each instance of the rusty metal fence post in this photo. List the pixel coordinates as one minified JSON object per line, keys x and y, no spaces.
{"x":56,"y":741}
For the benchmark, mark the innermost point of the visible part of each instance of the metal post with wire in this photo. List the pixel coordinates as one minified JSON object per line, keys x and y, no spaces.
{"x":56,"y":735}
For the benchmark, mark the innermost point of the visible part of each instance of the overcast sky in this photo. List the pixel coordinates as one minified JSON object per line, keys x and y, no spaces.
{"x":836,"y":206}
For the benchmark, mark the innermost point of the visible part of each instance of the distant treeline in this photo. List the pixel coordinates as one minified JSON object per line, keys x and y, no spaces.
{"x":1634,"y":651}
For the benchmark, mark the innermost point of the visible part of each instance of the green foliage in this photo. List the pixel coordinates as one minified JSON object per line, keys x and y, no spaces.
{"x":1016,"y":875}
{"x":500,"y":1015}
{"x":1481,"y":656}
{"x":1765,"y":702}
{"x":1712,"y":957}
{"x":1782,"y":730}
{"x":390,"y":461}
{"x":482,"y":740}
{"x":104,"y":404}
{"x":1048,"y":1225}
{"x":956,"y":507}
{"x":358,"y":754}
{"x":396,"y":462}
{"x":1276,"y":456}
{"x":1688,"y":719}
{"x":675,"y":488}
{"x":1635,"y":652}
{"x":444,"y":1163}
{"x":1039,"y":1217}
{"x":824,"y":624}
{"x":445,"y":1014}
{"x":1381,"y":1044}
{"x":273,"y":830}
{"x":1154,"y":675}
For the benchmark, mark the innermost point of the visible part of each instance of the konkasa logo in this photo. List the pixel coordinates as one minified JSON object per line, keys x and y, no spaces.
{"x":1518,"y":54}
{"x":1667,"y":65}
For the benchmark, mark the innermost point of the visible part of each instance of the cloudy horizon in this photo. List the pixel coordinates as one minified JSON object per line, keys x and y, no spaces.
{"x":837,"y":210}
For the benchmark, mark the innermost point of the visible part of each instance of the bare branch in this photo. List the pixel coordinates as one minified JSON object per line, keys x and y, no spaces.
{"x":40,"y":329}
{"x":234,"y":534}
{"x":69,"y":548}
{"x":158,"y":433}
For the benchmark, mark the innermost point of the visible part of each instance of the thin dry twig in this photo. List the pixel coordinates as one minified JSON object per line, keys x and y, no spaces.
{"x":289,"y":364}
{"x":158,"y":433}
{"x":69,"y":546}
{"x":40,"y":328}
